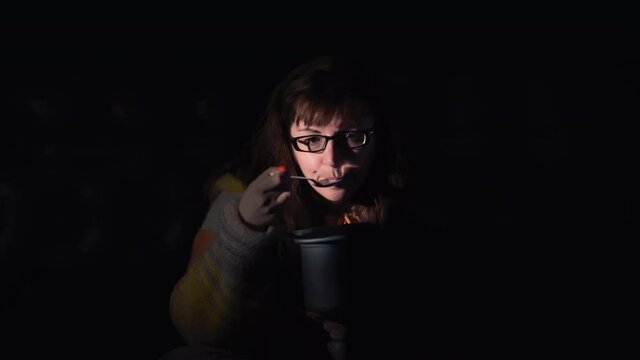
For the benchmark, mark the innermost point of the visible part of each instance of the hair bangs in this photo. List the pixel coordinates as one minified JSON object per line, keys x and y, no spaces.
{"x":322,"y":111}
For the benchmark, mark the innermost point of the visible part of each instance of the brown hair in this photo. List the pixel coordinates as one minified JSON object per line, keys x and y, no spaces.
{"x":314,"y":94}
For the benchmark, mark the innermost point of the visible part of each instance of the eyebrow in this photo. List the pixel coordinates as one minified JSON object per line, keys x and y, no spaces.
{"x":320,"y":132}
{"x":309,"y":129}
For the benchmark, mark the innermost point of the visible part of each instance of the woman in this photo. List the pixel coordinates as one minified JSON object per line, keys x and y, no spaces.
{"x":240,"y":296}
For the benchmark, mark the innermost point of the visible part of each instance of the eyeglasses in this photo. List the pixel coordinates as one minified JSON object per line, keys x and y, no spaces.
{"x":317,"y":143}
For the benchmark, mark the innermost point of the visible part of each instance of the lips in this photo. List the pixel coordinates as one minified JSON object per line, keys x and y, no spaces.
{"x":331,"y":179}
{"x":328,"y":182}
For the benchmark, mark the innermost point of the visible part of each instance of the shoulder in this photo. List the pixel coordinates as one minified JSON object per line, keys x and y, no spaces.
{"x":226,"y":189}
{"x":228,"y":182}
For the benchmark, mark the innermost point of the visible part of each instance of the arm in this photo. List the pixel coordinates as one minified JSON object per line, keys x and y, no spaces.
{"x":211,"y":301}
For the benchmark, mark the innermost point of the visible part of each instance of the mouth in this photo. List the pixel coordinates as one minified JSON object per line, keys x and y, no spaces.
{"x":319,"y":182}
{"x":327,"y":182}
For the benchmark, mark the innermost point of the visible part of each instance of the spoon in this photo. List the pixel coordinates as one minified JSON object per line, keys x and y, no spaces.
{"x":323,"y":183}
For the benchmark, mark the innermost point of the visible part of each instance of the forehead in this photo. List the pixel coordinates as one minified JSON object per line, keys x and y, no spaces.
{"x":338,"y":123}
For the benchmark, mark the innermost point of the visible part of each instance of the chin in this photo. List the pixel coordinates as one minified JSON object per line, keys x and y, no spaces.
{"x":333,"y":195}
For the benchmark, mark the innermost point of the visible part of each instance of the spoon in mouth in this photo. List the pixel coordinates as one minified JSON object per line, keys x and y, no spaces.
{"x":324,"y":183}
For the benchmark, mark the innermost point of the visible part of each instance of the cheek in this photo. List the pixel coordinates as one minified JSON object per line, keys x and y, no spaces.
{"x":366,"y":158}
{"x":306,"y":162}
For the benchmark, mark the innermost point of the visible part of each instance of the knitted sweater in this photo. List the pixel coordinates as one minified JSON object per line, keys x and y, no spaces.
{"x":241,"y":291}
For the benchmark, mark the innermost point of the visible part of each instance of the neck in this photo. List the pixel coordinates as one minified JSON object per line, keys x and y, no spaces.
{"x":328,"y":213}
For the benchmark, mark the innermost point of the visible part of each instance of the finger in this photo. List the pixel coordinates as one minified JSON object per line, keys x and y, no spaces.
{"x":271,"y":179}
{"x":336,"y":330}
{"x":278,"y":172}
{"x":275,"y":170}
{"x":282,"y":198}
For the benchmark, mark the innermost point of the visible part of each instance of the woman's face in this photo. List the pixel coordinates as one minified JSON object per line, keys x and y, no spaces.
{"x":338,"y":160}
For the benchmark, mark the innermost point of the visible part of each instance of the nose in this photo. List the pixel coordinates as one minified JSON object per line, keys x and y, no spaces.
{"x":332,"y":154}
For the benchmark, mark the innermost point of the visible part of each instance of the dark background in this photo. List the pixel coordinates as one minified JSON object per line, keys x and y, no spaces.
{"x":520,"y":132}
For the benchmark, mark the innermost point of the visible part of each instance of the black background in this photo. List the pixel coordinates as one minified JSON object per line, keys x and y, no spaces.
{"x":521,"y":132}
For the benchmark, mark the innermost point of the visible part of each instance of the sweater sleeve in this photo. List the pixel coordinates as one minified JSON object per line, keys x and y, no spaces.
{"x":213,"y":301}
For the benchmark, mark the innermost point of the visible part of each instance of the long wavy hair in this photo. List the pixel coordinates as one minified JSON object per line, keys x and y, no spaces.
{"x":315,"y":93}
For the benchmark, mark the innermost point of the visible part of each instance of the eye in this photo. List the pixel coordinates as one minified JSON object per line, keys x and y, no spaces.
{"x":312,"y":140}
{"x":355,"y":138}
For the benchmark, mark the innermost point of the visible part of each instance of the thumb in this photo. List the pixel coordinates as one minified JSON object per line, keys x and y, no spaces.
{"x":282,"y":198}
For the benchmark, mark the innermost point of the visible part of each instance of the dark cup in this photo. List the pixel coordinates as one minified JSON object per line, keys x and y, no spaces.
{"x":331,"y":262}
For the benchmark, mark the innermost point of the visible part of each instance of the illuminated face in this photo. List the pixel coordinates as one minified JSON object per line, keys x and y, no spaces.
{"x":347,"y":156}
